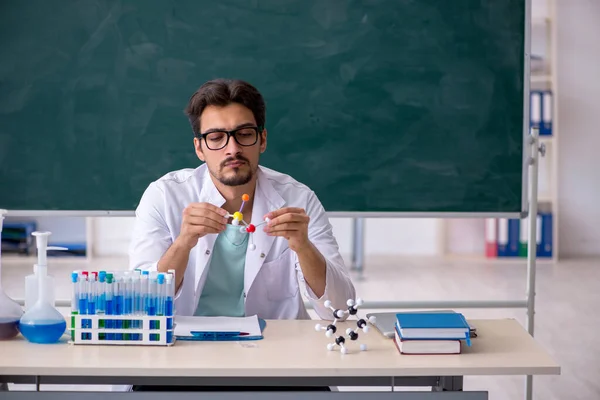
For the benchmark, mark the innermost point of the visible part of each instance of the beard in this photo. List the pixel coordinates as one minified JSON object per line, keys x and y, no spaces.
{"x":239,"y":176}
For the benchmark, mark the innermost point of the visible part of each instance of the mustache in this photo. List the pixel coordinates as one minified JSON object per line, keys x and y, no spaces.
{"x":238,"y":158}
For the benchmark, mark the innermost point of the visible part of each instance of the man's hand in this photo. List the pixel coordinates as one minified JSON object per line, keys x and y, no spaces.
{"x":200,"y":219}
{"x":292,"y":224}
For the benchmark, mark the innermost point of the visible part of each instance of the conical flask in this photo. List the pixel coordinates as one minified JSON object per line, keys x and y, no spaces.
{"x":42,"y":323}
{"x":10,"y":310}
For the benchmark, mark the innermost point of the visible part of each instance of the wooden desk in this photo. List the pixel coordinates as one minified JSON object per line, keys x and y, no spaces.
{"x":291,"y":353}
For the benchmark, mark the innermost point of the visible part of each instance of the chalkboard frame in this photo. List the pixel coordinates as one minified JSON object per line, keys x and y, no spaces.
{"x":526,"y":169}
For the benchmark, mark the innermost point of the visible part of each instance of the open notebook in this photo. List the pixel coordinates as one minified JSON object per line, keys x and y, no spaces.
{"x":218,"y":328}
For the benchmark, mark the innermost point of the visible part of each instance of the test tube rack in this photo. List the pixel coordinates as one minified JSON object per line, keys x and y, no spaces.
{"x":154,"y":331}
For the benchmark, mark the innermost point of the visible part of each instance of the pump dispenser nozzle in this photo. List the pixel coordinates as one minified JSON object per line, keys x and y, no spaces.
{"x":41,"y":243}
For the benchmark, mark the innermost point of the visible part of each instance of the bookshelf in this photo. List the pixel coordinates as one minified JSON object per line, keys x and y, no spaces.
{"x":543,"y":78}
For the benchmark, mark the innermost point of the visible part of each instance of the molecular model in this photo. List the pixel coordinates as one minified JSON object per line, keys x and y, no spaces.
{"x":331,"y":329}
{"x":238,"y":218}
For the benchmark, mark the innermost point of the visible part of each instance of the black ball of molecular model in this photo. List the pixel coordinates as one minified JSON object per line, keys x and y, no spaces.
{"x":331,"y":329}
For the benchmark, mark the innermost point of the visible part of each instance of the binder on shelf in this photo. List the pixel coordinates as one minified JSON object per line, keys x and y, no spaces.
{"x":535,"y":108}
{"x":491,"y":238}
{"x":508,"y":237}
{"x":512,"y":236}
{"x":546,"y":123}
{"x":514,"y":226}
{"x":502,"y":249}
{"x":538,"y":234}
{"x":540,"y":111}
{"x":523,"y":237}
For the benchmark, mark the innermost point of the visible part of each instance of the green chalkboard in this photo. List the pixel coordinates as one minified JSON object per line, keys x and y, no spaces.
{"x":377,"y":105}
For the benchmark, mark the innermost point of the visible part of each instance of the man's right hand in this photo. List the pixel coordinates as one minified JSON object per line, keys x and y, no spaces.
{"x":200,"y":219}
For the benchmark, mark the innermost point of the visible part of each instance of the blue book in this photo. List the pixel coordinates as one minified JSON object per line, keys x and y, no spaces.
{"x":430,"y":325}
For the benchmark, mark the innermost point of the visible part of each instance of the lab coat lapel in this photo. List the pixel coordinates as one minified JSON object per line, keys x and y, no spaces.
{"x":208,"y":194}
{"x":266,"y":199}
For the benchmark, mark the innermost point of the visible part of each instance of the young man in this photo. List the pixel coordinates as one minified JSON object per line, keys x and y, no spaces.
{"x":182,"y":224}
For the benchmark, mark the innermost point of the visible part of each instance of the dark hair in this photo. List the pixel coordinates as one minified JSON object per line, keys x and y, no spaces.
{"x":221,"y":92}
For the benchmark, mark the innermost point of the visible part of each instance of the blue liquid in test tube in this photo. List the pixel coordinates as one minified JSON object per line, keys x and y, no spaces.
{"x":110,"y":306}
{"x":169,"y":305}
{"x":118,"y":299}
{"x":83,"y":300}
{"x":101,"y":302}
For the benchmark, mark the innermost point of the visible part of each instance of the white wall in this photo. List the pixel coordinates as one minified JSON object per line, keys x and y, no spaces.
{"x":578,"y":49}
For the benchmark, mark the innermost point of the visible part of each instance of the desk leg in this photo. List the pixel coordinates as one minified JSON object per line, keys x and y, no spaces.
{"x":449,"y":384}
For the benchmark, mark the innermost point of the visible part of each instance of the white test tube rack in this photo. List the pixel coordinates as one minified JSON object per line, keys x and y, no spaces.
{"x":149,"y":337}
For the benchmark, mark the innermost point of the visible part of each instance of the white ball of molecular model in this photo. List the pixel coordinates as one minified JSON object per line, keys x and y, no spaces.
{"x":352,"y":334}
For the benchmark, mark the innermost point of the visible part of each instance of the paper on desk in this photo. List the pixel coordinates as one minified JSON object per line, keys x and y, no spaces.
{"x":184,"y":325}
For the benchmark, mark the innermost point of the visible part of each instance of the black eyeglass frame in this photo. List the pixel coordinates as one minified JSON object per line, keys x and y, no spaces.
{"x":257,"y":130}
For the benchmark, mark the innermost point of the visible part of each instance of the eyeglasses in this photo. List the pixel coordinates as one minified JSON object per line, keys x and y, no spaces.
{"x":245,"y":136}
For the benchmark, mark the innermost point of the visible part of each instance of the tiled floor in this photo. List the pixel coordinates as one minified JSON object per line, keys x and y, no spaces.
{"x":567,"y":301}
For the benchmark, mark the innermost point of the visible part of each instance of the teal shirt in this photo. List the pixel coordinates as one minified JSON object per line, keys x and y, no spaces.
{"x":223,"y":291}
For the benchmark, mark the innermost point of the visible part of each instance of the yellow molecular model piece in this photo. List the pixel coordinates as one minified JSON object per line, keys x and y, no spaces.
{"x":238,"y":218}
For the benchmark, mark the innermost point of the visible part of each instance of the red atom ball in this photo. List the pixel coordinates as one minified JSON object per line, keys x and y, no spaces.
{"x":250,"y":228}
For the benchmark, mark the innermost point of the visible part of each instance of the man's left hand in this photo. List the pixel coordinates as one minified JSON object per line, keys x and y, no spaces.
{"x":292,"y":224}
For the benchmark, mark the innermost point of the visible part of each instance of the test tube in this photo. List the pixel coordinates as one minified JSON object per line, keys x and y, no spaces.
{"x":137,"y":300}
{"x":144,"y":291}
{"x":83,"y":300}
{"x":170,"y":285}
{"x":101,"y":301}
{"x":110,"y":306}
{"x":152,"y":299}
{"x":92,"y":295}
{"x":74,"y":301}
{"x":118,"y":299}
{"x":161,"y":296}
{"x":126,"y":290}
{"x":172,"y":273}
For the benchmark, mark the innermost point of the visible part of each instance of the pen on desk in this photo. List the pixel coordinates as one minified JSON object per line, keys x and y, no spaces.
{"x":211,"y":334}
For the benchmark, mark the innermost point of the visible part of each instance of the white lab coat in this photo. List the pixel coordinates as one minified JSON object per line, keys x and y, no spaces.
{"x":273,"y":280}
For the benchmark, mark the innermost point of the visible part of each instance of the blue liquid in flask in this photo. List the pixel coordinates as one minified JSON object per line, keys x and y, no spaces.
{"x":43,"y":331}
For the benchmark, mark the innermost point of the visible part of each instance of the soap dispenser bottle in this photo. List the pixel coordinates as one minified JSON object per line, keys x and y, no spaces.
{"x":10,"y":310}
{"x":41,"y":268}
